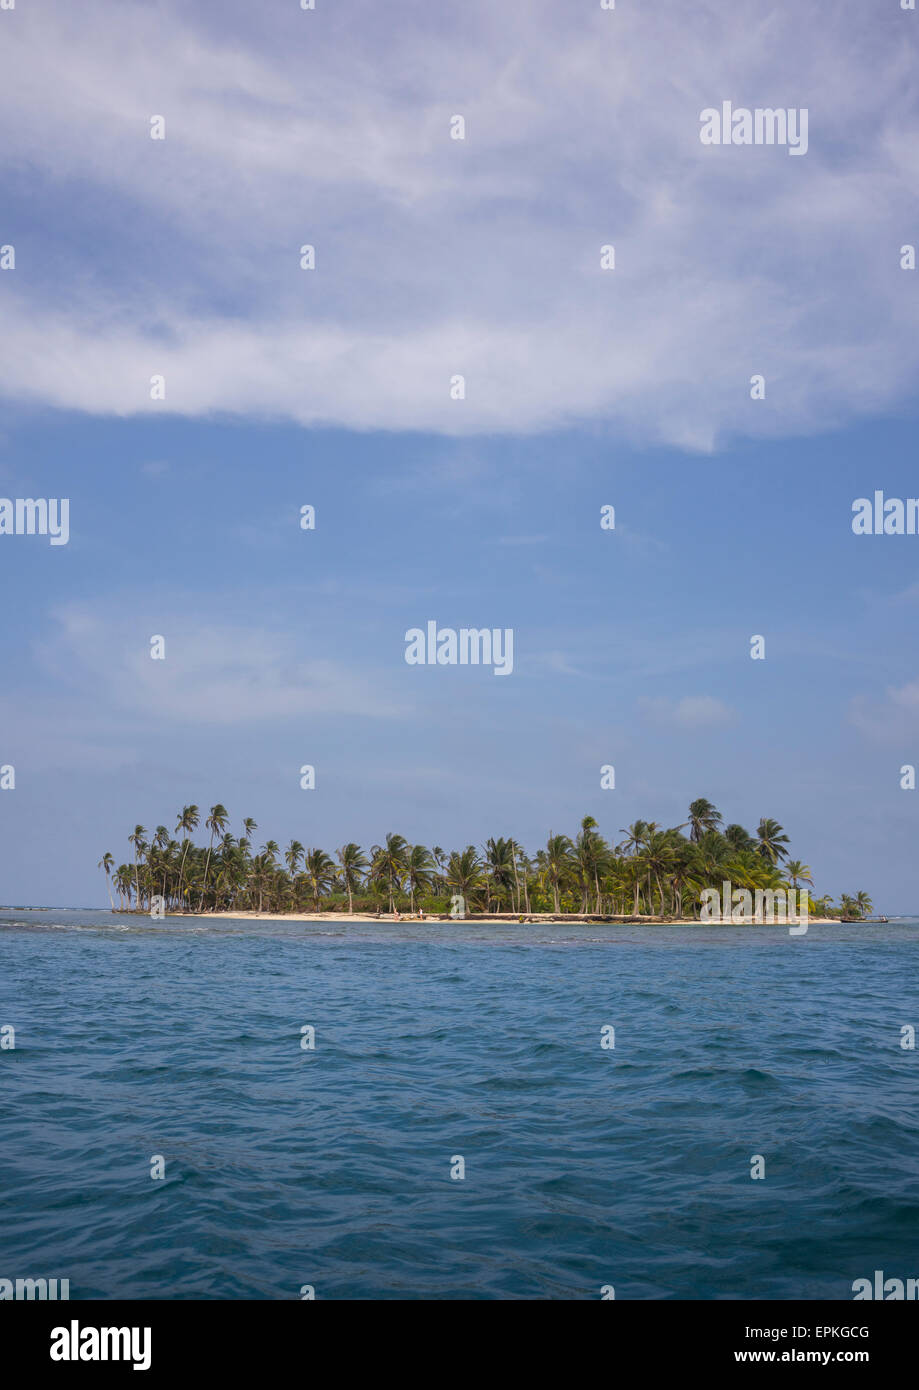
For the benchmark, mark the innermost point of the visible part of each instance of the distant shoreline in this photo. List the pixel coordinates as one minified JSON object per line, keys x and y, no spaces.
{"x":496,"y":919}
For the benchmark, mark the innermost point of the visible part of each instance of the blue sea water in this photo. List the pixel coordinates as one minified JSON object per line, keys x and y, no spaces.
{"x":584,"y":1166}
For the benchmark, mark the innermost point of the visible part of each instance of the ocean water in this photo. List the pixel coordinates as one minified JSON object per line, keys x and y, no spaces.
{"x":584,"y":1166}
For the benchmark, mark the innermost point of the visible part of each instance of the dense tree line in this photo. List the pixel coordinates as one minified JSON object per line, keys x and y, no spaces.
{"x":652,"y":871}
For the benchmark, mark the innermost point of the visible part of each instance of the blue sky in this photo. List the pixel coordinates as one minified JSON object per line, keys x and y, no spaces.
{"x":584,"y":387}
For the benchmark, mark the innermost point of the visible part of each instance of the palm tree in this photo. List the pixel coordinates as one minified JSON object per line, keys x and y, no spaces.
{"x":641,"y":836}
{"x":440,"y":859}
{"x":739,"y":838}
{"x":702,"y":817}
{"x":320,"y":873}
{"x":795,"y":870}
{"x":159,"y":858}
{"x":515,"y":855}
{"x":249,"y":829}
{"x":137,"y":840}
{"x":389,"y":865}
{"x":353,"y":863}
{"x":292,"y":856}
{"x":636,"y":837}
{"x":259,"y":875}
{"x":771,"y":840}
{"x":660,"y":855}
{"x":634,"y":870}
{"x":499,"y":861}
{"x":864,"y":904}
{"x":681,"y":873}
{"x":555,"y":863}
{"x":464,"y":873}
{"x":418,"y":871}
{"x":106,"y":863}
{"x":187,"y":821}
{"x":522,"y":863}
{"x":591,"y":853}
{"x":216,"y":823}
{"x":123,"y":884}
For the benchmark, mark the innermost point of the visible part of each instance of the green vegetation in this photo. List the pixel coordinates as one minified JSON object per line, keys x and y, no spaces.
{"x":653,"y":871}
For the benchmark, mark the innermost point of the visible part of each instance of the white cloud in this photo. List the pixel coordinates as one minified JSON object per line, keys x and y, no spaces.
{"x":481,"y":257}
{"x":690,"y":712}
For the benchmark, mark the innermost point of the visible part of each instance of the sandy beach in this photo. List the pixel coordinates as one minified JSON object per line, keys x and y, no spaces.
{"x":504,"y":919}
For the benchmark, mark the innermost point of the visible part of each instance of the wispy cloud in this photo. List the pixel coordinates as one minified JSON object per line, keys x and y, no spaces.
{"x":214,"y":675}
{"x":890,"y":717}
{"x":690,"y":712}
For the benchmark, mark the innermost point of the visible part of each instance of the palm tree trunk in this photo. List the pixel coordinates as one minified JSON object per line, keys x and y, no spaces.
{"x":182,"y":867}
{"x":206,"y":867}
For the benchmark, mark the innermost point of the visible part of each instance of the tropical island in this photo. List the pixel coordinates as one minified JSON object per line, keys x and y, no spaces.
{"x":652,"y":874}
